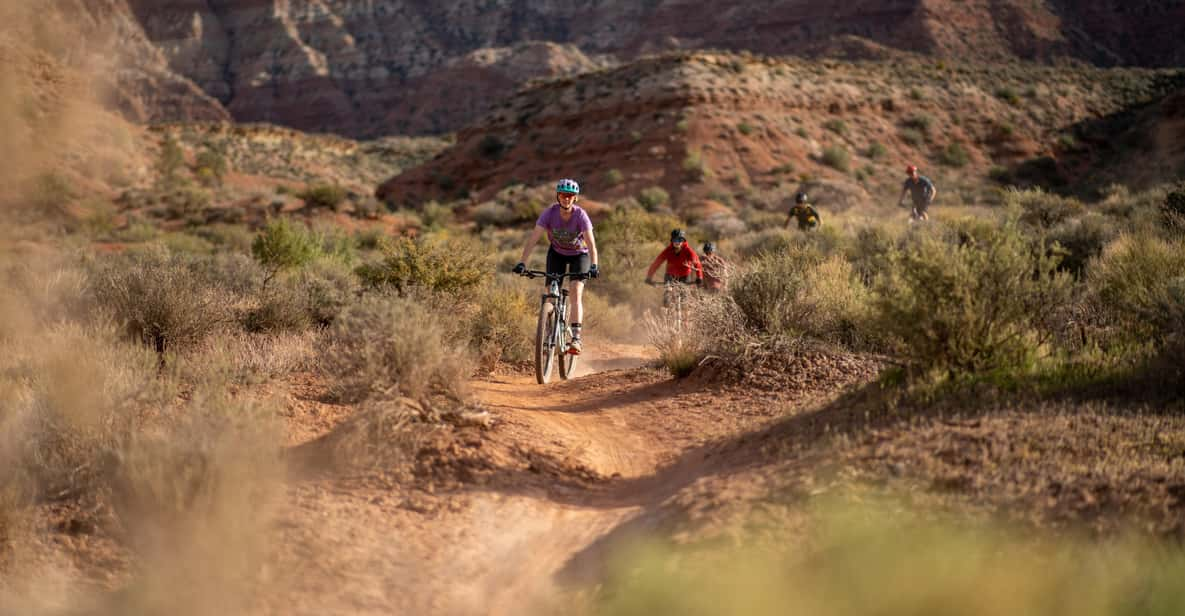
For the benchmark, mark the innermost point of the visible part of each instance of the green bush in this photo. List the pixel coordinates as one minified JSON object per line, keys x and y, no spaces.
{"x":385,"y":346}
{"x":283,"y":245}
{"x":434,"y":265}
{"x":163,"y":299}
{"x":328,"y":287}
{"x":613,"y":177}
{"x":653,"y":198}
{"x":877,"y":151}
{"x":837,"y":158}
{"x":838,"y":127}
{"x":169,"y":162}
{"x":327,"y":196}
{"x":1078,"y":240}
{"x":973,"y":301}
{"x":745,"y":128}
{"x":954,"y":155}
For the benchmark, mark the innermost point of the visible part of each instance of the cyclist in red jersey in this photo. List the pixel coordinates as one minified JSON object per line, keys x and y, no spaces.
{"x":683,"y":265}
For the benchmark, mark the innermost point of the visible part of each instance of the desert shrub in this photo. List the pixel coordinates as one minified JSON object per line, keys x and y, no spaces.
{"x":385,"y":346}
{"x":198,"y":493}
{"x":912,"y":136}
{"x":434,"y":265}
{"x":871,"y":252}
{"x":492,"y":147}
{"x":613,"y":177}
{"x":50,"y":191}
{"x":493,"y":214}
{"x":877,"y":151}
{"x":436,"y":216}
{"x":801,"y":292}
{"x":954,"y":155}
{"x":920,"y":123}
{"x":281,"y":308}
{"x":161,"y":298}
{"x":328,"y":286}
{"x":323,"y":195}
{"x":765,"y":241}
{"x":722,"y":225}
{"x":1008,"y":95}
{"x":66,"y":395}
{"x":1138,"y":284}
{"x":502,"y":330}
{"x":837,"y":158}
{"x":169,"y":162}
{"x":632,"y":225}
{"x":838,"y":127}
{"x":238,"y":273}
{"x":1173,"y":208}
{"x":1042,"y":209}
{"x":211,"y":165}
{"x":653,"y":198}
{"x":284,"y":245}
{"x":975,"y":301}
{"x":695,"y":167}
{"x":187,"y":243}
{"x":745,"y":128}
{"x":234,"y":238}
{"x":1079,"y":240}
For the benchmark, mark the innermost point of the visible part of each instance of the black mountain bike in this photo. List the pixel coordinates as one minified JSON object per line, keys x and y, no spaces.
{"x":552,"y":338}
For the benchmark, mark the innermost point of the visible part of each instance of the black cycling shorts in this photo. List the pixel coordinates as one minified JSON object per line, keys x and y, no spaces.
{"x":567,"y":264}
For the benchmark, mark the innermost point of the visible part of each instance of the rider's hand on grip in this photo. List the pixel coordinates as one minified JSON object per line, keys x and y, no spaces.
{"x":593,"y":271}
{"x":520,"y":268}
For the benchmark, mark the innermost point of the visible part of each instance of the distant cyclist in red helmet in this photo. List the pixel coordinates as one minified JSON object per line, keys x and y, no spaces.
{"x":683,"y":265}
{"x":921,"y":189}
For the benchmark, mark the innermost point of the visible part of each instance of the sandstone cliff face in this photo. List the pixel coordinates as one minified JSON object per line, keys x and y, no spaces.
{"x":371,"y":67}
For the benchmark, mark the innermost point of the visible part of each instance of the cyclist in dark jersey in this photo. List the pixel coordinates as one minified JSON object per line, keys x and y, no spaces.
{"x":715,"y":269}
{"x":808,"y":218}
{"x":921,"y":190}
{"x":573,"y":248}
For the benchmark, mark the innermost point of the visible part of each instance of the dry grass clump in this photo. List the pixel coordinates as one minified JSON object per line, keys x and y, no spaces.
{"x":386,"y":346}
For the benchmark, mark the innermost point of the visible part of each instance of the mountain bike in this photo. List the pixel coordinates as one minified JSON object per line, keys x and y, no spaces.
{"x":552,"y":336}
{"x":674,"y":296}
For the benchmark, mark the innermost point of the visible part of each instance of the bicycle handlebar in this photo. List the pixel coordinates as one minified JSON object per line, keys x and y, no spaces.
{"x":558,"y":277}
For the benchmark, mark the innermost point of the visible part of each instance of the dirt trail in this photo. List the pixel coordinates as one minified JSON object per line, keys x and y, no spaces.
{"x":496,"y":550}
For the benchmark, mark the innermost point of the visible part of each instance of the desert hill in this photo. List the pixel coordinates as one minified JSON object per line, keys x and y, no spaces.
{"x":722,"y":126}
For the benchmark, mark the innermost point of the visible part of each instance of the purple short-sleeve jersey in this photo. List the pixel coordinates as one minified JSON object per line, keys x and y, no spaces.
{"x":567,"y":238}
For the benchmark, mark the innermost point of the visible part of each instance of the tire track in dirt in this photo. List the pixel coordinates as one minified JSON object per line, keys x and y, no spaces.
{"x":493,"y":550}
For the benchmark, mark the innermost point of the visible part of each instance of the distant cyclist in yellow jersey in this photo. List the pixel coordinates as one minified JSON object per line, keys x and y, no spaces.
{"x":808,"y":219}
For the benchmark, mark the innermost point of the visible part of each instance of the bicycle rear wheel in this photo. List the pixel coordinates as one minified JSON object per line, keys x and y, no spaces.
{"x":544,"y":348}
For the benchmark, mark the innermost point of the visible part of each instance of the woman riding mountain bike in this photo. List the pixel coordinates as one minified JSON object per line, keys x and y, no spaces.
{"x":683,"y":265}
{"x":572,"y":250}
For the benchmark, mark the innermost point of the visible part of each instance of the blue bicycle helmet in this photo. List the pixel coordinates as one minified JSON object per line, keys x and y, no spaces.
{"x":568,"y":186}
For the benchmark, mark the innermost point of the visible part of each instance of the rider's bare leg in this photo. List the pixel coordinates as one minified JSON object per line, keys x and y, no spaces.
{"x":577,"y":295}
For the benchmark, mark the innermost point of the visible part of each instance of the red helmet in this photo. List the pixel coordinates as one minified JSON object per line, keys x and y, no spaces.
{"x":911,"y":169}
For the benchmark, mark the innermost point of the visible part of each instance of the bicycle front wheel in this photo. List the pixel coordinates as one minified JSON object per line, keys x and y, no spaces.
{"x":544,"y":339}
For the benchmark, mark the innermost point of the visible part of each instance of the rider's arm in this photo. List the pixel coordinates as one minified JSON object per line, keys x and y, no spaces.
{"x":662,"y":256}
{"x":933,"y":192}
{"x":818,"y":218}
{"x":592,"y":245}
{"x":697,"y":265}
{"x":901,"y":199}
{"x":531,"y":241}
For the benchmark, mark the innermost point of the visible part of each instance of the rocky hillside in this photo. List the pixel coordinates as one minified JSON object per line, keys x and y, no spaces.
{"x":735,"y":127}
{"x":412,"y":66}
